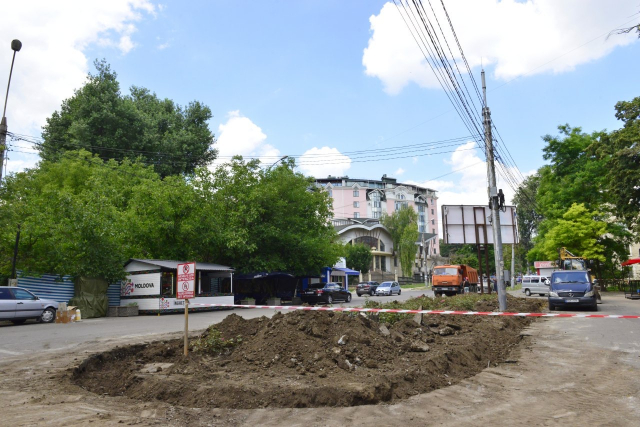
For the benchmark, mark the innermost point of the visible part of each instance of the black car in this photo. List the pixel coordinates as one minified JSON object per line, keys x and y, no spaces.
{"x":325,"y":293}
{"x":572,"y":289}
{"x":367,"y":288}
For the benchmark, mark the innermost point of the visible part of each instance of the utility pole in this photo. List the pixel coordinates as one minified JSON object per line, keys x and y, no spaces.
{"x":16,"y":45}
{"x":493,"y":201}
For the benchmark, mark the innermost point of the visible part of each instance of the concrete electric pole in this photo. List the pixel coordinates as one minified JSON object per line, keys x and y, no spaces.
{"x":494,"y":201}
{"x":16,"y":45}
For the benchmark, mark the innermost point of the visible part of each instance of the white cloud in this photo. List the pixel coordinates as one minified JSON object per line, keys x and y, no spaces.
{"x":518,"y":37}
{"x":325,"y":161}
{"x":52,"y":62}
{"x":469,"y":183}
{"x":240,"y":136}
{"x":399,"y":172}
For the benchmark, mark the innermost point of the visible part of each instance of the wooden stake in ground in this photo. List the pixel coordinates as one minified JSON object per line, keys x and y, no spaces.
{"x":186,"y":327}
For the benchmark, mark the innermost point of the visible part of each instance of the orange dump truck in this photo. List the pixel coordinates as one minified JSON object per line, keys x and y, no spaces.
{"x":449,"y":279}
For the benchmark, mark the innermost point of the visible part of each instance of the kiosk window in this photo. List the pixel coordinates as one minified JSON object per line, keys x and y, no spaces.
{"x":166,"y":284}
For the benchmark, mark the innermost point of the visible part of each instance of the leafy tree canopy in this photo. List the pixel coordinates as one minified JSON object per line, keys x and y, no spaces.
{"x":359,"y":257}
{"x":403,"y":228}
{"x":103,"y":121}
{"x":83,"y":216}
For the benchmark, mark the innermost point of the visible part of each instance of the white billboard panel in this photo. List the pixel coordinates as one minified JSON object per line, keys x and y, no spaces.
{"x":469,"y":224}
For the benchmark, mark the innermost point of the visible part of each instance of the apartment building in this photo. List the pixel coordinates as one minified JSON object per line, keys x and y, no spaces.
{"x":358,"y":205}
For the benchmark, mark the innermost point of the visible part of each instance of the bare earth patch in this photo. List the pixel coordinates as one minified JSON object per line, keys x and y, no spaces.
{"x":309,"y":359}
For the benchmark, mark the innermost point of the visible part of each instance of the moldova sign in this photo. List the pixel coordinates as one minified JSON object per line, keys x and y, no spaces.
{"x":186,"y":280}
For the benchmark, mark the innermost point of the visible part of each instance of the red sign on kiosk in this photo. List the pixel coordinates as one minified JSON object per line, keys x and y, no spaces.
{"x":186,"y":280}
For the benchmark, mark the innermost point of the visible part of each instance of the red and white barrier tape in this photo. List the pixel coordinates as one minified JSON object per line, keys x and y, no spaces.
{"x":394,"y":310}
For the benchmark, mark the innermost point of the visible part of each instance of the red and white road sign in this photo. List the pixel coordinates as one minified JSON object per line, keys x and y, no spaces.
{"x":186,"y":280}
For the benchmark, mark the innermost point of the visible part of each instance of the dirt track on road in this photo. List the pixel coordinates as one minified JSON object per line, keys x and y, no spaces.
{"x":560,"y":377}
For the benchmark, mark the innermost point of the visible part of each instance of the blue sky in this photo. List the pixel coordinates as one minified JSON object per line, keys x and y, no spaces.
{"x":324,"y":76}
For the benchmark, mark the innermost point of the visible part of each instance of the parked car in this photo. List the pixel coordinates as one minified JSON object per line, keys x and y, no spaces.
{"x":325,"y":293}
{"x":535,"y":285}
{"x":367,"y":288}
{"x":572,"y":289}
{"x":388,"y":288}
{"x":18,"y":304}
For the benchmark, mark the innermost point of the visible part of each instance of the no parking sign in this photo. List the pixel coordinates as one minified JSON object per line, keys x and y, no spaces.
{"x":186,"y":280}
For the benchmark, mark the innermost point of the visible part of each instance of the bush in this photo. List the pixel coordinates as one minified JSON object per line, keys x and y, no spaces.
{"x":212,"y":342}
{"x":464,"y":302}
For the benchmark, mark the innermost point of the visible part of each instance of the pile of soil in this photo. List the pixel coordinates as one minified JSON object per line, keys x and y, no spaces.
{"x":310,"y":359}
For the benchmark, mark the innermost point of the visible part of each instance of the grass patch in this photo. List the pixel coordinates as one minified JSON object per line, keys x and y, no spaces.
{"x":212,"y":342}
{"x":465,"y":302}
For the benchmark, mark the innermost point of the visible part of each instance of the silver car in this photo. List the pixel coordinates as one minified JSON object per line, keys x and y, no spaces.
{"x":18,"y":304}
{"x":535,"y":285}
{"x":388,"y":288}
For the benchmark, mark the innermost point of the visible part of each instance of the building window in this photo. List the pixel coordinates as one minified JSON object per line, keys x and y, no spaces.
{"x":433,"y":230}
{"x":356,"y":214}
{"x":421,"y":228}
{"x":421,"y":208}
{"x":401,"y":196}
{"x":431,"y":202}
{"x":400,"y":205}
{"x":356,"y":204}
{"x":395,"y":261}
{"x":330,"y":192}
{"x":431,"y":211}
{"x":356,"y":193}
{"x":433,"y":221}
{"x":376,"y":214}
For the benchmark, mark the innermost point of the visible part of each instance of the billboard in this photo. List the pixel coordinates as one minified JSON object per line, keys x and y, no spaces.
{"x":470,"y":224}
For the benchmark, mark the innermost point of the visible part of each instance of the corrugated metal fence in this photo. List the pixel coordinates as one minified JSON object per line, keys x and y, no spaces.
{"x":62,"y":290}
{"x":49,"y":287}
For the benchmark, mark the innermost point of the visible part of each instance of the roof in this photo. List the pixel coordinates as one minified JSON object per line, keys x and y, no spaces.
{"x":163,"y":263}
{"x":426,"y":237}
{"x":346,"y":271}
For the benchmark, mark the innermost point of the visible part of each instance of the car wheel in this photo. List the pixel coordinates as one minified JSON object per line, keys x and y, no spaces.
{"x":437,"y":294}
{"x":527,"y":292}
{"x":48,"y":315}
{"x":349,"y":298}
{"x":372,"y":293}
{"x":359,"y":294}
{"x":329,"y":300}
{"x":18,"y":321}
{"x":399,"y":291}
{"x":595,"y":307}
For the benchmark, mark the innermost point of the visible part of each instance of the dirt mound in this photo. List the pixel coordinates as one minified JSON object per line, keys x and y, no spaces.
{"x":308,"y":359}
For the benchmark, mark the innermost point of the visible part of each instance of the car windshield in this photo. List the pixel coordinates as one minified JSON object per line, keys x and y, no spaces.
{"x":385,"y":285}
{"x":570,"y":277}
{"x":450,"y":271}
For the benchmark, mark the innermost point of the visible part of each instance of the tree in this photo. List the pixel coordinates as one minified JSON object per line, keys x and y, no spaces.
{"x":579,"y":230}
{"x":264,"y":220}
{"x":73,"y":216}
{"x":83,"y":216}
{"x":621,"y":151}
{"x":359,"y":257}
{"x":528,"y":214}
{"x":101,"y":120}
{"x":403,"y":228}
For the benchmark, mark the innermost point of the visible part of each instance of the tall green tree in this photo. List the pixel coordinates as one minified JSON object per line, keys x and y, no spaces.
{"x":100,"y":119}
{"x":621,"y":151}
{"x":359,"y":257}
{"x":403,"y":228}
{"x":528,"y":214}
{"x":580,"y":230}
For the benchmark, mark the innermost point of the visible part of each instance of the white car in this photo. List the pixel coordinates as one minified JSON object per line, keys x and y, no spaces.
{"x":18,"y":304}
{"x":388,"y":288}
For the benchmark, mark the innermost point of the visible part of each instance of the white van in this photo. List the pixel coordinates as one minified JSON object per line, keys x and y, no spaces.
{"x":535,"y":285}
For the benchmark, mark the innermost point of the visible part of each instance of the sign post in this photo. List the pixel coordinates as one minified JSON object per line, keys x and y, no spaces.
{"x":185,"y":291}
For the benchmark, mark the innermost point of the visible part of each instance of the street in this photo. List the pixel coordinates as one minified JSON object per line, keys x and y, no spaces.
{"x":569,"y":371}
{"x":17,"y":340}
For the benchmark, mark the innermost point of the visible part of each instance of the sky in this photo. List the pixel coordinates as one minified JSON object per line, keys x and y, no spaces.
{"x":340,"y":85}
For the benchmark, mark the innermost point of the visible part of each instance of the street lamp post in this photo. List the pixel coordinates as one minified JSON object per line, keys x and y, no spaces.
{"x":16,"y":45}
{"x":277,"y":161}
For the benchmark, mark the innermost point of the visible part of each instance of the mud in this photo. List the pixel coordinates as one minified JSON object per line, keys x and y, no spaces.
{"x":309,"y":359}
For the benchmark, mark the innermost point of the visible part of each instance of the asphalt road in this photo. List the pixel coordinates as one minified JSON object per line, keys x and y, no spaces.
{"x":16,"y":340}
